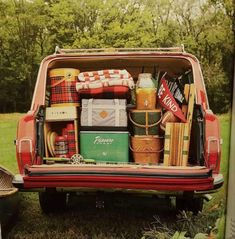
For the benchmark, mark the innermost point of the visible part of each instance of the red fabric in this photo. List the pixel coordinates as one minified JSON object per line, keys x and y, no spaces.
{"x":65,"y":92}
{"x":110,"y":92}
{"x":167,"y":100}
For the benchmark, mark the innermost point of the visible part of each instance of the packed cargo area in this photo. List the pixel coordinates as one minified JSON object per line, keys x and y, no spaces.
{"x":101,"y":110}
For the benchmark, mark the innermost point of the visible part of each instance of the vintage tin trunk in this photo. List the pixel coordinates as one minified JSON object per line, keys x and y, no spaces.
{"x":145,"y":122}
{"x":104,"y":112}
{"x":61,"y":113}
{"x":105,"y":146}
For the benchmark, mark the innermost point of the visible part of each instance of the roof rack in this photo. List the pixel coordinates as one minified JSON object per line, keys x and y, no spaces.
{"x":58,"y":50}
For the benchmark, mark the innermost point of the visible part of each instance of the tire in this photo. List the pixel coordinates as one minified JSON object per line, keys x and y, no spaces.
{"x":52,"y":201}
{"x":189,"y":204}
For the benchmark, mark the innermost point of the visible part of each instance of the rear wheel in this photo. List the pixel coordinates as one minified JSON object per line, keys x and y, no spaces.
{"x":52,"y":201}
{"x":189,"y":204}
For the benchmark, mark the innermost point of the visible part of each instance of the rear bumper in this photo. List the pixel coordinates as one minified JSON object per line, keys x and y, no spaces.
{"x":138,"y":178}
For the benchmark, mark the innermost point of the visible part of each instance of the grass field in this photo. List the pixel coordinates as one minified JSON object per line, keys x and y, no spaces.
{"x":117,"y":219}
{"x":8,"y":124}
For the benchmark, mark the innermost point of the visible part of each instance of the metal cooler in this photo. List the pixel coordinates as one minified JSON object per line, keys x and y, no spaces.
{"x":105,"y":146}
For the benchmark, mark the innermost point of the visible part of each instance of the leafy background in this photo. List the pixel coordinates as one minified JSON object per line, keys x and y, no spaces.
{"x":30,"y":30}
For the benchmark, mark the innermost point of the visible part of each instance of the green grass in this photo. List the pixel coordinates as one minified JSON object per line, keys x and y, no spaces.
{"x":225,"y":134}
{"x":83,"y":220}
{"x":8,"y":124}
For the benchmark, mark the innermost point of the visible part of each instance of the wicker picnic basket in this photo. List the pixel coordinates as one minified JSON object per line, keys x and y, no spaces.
{"x":146,"y":149}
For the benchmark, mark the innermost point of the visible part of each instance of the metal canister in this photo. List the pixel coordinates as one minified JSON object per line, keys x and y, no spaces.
{"x":61,"y":147}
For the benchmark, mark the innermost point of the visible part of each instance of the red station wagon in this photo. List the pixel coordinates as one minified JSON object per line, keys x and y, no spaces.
{"x":124,"y":120}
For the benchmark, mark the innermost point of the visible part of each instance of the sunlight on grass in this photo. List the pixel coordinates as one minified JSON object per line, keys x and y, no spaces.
{"x":8,"y":125}
{"x":10,"y":117}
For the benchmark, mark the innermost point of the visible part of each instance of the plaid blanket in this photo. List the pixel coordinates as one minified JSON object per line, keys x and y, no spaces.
{"x":105,"y":84}
{"x":111,"y":92}
{"x":103,"y":74}
{"x":104,"y":78}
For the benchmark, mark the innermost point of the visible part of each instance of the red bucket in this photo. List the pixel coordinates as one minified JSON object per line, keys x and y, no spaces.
{"x":63,"y":87}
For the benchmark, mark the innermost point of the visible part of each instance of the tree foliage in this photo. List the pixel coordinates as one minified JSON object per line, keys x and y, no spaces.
{"x":30,"y":30}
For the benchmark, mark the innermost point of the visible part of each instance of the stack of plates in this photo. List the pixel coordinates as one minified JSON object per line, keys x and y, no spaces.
{"x":50,"y":138}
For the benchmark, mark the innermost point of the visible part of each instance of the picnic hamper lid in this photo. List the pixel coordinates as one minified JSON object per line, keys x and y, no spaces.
{"x":66,"y":72}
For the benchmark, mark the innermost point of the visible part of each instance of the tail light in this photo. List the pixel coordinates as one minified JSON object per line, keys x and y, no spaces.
{"x":213,"y":154}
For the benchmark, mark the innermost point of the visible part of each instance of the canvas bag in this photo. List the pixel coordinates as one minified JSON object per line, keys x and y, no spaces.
{"x":104,"y":112}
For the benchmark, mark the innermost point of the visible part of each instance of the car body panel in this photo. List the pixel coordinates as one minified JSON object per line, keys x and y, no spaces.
{"x":37,"y":176}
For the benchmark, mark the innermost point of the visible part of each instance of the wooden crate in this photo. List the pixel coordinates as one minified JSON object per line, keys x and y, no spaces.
{"x":177,"y":135}
{"x":176,"y":144}
{"x":56,"y":119}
